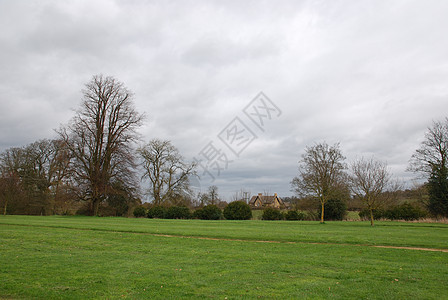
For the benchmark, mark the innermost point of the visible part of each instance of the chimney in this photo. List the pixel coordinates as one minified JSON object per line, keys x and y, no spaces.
{"x":275,"y":194}
{"x":260,"y":194}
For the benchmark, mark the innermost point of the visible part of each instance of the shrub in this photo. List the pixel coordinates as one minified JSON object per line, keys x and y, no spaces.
{"x":238,"y":210}
{"x":158,"y":212}
{"x":139,"y":212}
{"x":293,"y":215}
{"x":405,"y":212}
{"x":272,"y":214}
{"x":178,"y":212}
{"x":335,"y":210}
{"x":209,"y":212}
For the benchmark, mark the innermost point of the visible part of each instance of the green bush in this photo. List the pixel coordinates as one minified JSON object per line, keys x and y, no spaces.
{"x":238,"y":210}
{"x":178,"y":212}
{"x":158,"y":212}
{"x":293,"y":215}
{"x":139,"y":212}
{"x":209,"y":212}
{"x":405,"y":212}
{"x":335,"y":210}
{"x":272,"y":214}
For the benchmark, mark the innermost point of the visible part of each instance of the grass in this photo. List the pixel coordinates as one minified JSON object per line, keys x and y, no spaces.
{"x":114,"y":258}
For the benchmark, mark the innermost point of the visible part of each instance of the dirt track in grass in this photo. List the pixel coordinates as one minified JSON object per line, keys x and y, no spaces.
{"x":311,"y":243}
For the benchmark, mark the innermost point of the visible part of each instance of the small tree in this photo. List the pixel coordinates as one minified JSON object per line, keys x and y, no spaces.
{"x":321,"y":171}
{"x":370,"y":178}
{"x":238,"y":210}
{"x":213,"y":194}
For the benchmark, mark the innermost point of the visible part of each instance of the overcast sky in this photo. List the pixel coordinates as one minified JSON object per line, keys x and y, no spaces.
{"x":372,"y":75}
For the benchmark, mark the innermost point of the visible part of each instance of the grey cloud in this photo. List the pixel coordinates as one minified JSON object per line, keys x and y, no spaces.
{"x":371,"y":75}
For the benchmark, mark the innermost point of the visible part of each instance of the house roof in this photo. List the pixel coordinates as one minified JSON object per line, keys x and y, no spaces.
{"x":265,"y":199}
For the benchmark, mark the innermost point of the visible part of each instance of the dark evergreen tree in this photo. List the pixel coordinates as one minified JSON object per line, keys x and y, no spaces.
{"x":438,"y":192}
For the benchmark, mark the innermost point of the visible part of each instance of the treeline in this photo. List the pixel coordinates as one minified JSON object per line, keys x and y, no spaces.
{"x":91,"y":166}
{"x":40,"y":179}
{"x":337,"y":207}
{"x":324,"y":177}
{"x":94,"y":165}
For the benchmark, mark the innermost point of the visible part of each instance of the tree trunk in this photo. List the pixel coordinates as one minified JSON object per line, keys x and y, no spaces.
{"x":322,"y":213}
{"x":6,"y":206}
{"x":371,"y":217}
{"x":95,"y":206}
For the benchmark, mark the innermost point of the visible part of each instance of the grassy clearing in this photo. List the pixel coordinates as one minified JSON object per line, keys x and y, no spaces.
{"x":79,"y":257}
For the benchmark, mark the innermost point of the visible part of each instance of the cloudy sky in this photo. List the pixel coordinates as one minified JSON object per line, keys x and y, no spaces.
{"x":372,"y":75}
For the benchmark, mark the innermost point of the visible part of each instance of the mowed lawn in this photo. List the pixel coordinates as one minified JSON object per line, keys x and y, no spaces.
{"x":114,"y":258}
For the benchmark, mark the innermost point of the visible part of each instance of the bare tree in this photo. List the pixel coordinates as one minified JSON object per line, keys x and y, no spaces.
{"x":433,"y":152}
{"x":321,"y":172}
{"x":99,"y":138}
{"x":203,"y":199}
{"x":213,"y":194}
{"x":369,"y":179}
{"x":242,"y":194}
{"x":166,"y":170}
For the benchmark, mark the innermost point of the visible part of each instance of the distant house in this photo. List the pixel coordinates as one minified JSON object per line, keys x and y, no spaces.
{"x":261,"y":201}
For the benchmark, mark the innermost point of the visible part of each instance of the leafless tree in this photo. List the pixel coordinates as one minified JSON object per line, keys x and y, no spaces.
{"x":321,"y":172}
{"x":242,"y":194}
{"x":166,"y":170}
{"x":100,"y":138}
{"x":203,"y":199}
{"x":213,"y":194}
{"x":369,"y":180}
{"x":433,"y":152}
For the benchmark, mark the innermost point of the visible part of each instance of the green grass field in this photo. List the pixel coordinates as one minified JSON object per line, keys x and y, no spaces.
{"x":114,"y":258}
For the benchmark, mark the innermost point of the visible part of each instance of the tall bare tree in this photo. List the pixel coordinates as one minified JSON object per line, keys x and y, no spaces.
{"x":321,"y":172}
{"x":431,"y":159}
{"x":369,"y":179}
{"x":166,"y":170}
{"x":100,"y":138}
